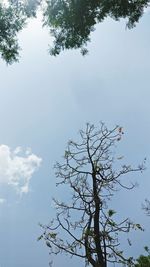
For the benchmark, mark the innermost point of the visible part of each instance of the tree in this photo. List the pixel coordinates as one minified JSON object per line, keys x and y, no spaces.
{"x":72,"y":21}
{"x":13,"y":18}
{"x":143,"y":261}
{"x":11,"y":22}
{"x":85,"y":225}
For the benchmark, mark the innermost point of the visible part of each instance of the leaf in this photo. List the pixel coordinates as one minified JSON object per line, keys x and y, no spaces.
{"x":40,"y":237}
{"x":53,"y":235}
{"x":111,"y":213}
{"x":138,"y":226}
{"x":48,"y":244}
{"x":147,"y":249}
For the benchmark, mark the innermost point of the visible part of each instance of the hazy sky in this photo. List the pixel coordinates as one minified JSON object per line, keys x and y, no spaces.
{"x":44,"y":101}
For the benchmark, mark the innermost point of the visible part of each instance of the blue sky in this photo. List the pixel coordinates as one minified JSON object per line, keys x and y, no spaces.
{"x":44,"y":101}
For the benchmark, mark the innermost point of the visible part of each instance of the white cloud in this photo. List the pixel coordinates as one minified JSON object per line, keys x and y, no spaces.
{"x":17,"y":168}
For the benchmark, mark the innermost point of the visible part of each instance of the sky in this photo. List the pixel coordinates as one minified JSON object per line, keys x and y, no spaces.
{"x":44,"y":102}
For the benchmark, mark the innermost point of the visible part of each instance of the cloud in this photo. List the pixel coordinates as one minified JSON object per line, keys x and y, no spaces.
{"x":17,"y":168}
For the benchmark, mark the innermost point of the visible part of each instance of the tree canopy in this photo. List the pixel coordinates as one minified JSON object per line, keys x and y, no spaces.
{"x":11,"y":22}
{"x":143,"y":261}
{"x":86,"y":225}
{"x":70,"y":21}
{"x":13,"y":18}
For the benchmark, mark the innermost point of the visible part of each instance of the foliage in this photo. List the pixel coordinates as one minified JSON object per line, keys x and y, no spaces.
{"x":11,"y":22}
{"x":143,"y":261}
{"x":85,"y":226}
{"x":72,"y":21}
{"x":13,"y":17}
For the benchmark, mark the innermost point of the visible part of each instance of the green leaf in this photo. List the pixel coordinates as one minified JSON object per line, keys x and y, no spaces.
{"x":111,"y":213}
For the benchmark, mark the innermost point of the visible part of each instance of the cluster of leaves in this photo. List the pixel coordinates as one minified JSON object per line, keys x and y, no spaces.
{"x":13,"y":17}
{"x":11,"y":22}
{"x":143,"y":261}
{"x":72,"y":21}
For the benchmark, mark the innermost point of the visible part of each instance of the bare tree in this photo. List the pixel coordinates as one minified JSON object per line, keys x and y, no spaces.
{"x":85,"y":226}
